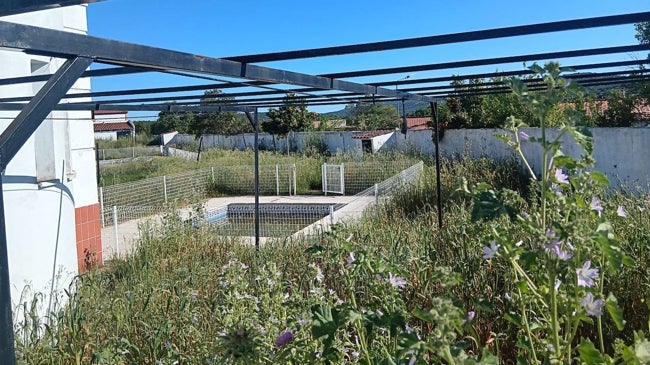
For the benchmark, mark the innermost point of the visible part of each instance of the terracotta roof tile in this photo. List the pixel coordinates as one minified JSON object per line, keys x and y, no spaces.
{"x":112,"y":126}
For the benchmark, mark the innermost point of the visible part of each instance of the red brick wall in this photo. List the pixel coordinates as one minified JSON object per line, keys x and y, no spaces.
{"x":89,"y":237}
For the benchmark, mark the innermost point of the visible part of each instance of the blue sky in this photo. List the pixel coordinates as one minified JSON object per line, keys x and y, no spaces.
{"x":229,"y":28}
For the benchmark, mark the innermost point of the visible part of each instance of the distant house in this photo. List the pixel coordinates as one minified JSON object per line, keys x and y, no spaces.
{"x":112,"y":124}
{"x":371,"y":141}
{"x":417,"y":123}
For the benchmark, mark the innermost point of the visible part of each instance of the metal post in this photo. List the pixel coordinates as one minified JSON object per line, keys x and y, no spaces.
{"x":212,"y":172}
{"x":434,"y":112}
{"x":101,"y":205}
{"x":254,"y":121}
{"x":343,"y":179}
{"x":165,"y":188}
{"x":277,"y":180}
{"x":376,"y":194}
{"x":257,"y":183}
{"x":324,"y":174}
{"x":331,"y":215}
{"x":116,"y":232}
{"x":6,"y":321}
{"x":295,"y":186}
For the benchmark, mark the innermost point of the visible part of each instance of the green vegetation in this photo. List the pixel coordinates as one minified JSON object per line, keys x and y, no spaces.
{"x":292,"y":116}
{"x":522,"y":271}
{"x":370,"y":116}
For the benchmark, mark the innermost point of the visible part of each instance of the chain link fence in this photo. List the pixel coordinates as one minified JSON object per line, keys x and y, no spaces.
{"x":277,"y":220}
{"x":190,"y":186}
{"x":130,"y":152}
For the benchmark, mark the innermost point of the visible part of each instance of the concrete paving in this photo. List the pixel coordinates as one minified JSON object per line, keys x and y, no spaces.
{"x":128,"y":232}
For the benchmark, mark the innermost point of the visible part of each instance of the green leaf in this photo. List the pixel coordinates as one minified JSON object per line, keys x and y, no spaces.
{"x":326,"y":321}
{"x":567,"y":162}
{"x":588,"y":353}
{"x":489,"y":205}
{"x":600,"y":178}
{"x":615,"y":311}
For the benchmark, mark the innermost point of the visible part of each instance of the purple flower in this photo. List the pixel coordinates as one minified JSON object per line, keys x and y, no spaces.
{"x":558,"y":282}
{"x":593,"y":307}
{"x":349,"y":260}
{"x":489,"y":252}
{"x":555,"y":247}
{"x":523,"y":136}
{"x":396,"y":281}
{"x":283,"y":339}
{"x":507,"y":297}
{"x":621,"y":212}
{"x":561,"y":177}
{"x":586,"y":276}
{"x":470,"y":317}
{"x":595,"y":205}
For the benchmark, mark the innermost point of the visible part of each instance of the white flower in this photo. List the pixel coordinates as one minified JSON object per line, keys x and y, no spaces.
{"x":489,"y":252}
{"x":396,"y":281}
{"x":621,"y":212}
{"x":319,"y":275}
{"x":349,"y":260}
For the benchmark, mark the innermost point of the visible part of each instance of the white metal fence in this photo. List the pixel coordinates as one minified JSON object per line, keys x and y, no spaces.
{"x":333,"y":178}
{"x":190,"y":186}
{"x":129,"y":152}
{"x":277,"y":220}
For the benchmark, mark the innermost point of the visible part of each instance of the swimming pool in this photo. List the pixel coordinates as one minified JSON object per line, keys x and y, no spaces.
{"x":276,"y":220}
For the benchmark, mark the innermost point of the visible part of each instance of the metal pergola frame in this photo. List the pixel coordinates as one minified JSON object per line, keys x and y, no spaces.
{"x":80,"y":51}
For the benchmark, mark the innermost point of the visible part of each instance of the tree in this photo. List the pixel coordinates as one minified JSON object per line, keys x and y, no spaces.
{"x":371,"y":116}
{"x":291,"y":116}
{"x":225,"y":123}
{"x":173,"y":121}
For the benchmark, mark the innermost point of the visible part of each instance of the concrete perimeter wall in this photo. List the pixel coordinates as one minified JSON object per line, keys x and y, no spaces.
{"x":621,"y":153}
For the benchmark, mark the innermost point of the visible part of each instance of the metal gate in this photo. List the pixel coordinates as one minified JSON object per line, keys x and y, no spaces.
{"x":333,"y":179}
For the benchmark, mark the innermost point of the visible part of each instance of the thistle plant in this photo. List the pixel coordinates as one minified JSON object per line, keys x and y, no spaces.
{"x":560,"y":247}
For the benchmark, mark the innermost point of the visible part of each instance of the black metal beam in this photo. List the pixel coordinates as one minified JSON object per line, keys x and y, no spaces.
{"x":493,"y":61}
{"x":170,"y":107}
{"x":55,"y":43}
{"x":112,"y":71}
{"x":11,"y":140}
{"x":449,"y":38}
{"x":10,"y":7}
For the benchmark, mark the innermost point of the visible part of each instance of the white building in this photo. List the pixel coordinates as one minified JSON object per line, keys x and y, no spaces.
{"x":112,"y":124}
{"x":50,"y":187}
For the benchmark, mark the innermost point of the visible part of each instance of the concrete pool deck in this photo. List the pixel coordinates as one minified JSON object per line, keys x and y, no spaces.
{"x":128,"y":232}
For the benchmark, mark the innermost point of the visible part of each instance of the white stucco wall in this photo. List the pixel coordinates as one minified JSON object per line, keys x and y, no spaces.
{"x":621,"y":153}
{"x":40,"y":216}
{"x":108,"y":136}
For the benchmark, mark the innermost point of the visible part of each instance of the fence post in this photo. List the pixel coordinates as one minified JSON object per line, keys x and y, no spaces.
{"x":331,"y":215}
{"x":324,"y":176}
{"x":343,"y":179}
{"x":101,"y":206}
{"x":277,"y":181}
{"x":295,"y":185}
{"x":116,"y":231}
{"x":103,"y":154}
{"x":212,"y":171}
{"x":133,"y":151}
{"x":376,"y":194}
{"x":165,"y":188}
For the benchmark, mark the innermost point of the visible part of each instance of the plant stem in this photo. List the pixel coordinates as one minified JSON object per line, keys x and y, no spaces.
{"x":554,"y":321}
{"x":599,"y":320}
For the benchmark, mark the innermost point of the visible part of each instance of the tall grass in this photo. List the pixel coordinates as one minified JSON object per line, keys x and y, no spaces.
{"x":189,"y":296}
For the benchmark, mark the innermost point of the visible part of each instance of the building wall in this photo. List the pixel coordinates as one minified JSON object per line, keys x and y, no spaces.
{"x":108,"y":136}
{"x":621,"y":153}
{"x":50,"y":187}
